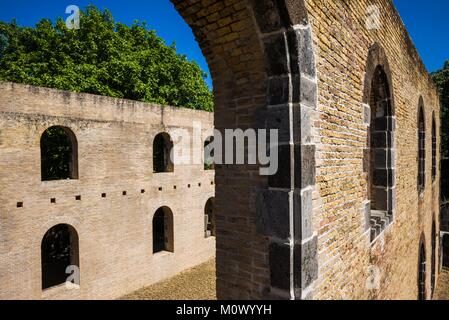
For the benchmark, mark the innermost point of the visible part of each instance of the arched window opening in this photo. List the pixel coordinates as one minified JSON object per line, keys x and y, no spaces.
{"x":434,"y":248}
{"x":380,"y":140}
{"x":422,"y":273}
{"x":162,"y":148}
{"x":59,"y":154}
{"x":209,"y":219}
{"x":209,"y":163}
{"x":163,"y":230}
{"x":421,"y":148}
{"x":59,"y":250}
{"x":445,"y":251}
{"x":434,"y":149}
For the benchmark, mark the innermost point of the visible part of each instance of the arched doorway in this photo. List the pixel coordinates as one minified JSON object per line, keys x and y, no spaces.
{"x":434,"y":254}
{"x":260,"y":54}
{"x":209,"y":219}
{"x":163,"y":237}
{"x":422,"y":273}
{"x":59,"y":250}
{"x":162,"y":148}
{"x":59,"y":154}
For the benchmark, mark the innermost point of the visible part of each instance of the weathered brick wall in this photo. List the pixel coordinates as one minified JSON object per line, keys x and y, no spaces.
{"x":300,"y":67}
{"x":342,"y":42}
{"x":115,"y":141}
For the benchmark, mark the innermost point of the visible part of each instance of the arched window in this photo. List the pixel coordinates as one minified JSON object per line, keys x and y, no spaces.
{"x":381,"y":178}
{"x":59,"y":250}
{"x":59,"y":154}
{"x":162,"y":147}
{"x":434,"y":248}
{"x":434,"y":148}
{"x":209,"y":154}
{"x":209,"y":219}
{"x":421,"y":147}
{"x":422,"y":273}
{"x":163,"y":230}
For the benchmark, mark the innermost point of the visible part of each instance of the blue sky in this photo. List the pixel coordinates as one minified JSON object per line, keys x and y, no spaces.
{"x":427,"y":22}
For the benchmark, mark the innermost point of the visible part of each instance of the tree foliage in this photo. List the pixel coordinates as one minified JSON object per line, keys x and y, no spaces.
{"x":102,"y":57}
{"x":56,"y":154}
{"x":441,"y":78}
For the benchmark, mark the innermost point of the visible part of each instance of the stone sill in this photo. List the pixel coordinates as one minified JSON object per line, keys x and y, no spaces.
{"x":373,"y":242}
{"x":380,"y":220}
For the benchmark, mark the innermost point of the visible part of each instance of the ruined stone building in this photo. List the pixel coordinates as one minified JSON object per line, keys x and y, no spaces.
{"x":130,"y":221}
{"x":352,"y":212}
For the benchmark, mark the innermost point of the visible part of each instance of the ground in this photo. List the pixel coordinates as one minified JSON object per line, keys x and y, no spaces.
{"x":199,"y":284}
{"x":442,"y":292}
{"x":194,"y":284}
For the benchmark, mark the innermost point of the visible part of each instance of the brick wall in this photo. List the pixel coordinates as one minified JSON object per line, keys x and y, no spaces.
{"x":115,"y":141}
{"x":309,"y":82}
{"x":302,"y":67}
{"x":346,"y":254}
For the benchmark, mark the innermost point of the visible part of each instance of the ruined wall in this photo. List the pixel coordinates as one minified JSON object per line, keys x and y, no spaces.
{"x":293,"y":65}
{"x":300,"y":66}
{"x":342,"y":41}
{"x":115,"y":141}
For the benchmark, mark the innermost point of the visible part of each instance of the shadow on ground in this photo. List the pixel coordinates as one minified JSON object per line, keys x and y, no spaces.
{"x":194,"y":284}
{"x":199,"y":284}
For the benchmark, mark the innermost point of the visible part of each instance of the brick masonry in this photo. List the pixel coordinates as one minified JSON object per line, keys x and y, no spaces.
{"x":115,"y":141}
{"x":301,"y":67}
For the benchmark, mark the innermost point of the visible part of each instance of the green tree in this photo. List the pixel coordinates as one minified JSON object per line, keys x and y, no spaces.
{"x":441,"y":78}
{"x":102,"y":57}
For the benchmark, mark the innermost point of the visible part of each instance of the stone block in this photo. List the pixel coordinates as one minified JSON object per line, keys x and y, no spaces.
{"x":273,"y":213}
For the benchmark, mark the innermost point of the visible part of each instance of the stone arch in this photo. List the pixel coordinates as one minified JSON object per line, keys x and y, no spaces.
{"x":162,"y":149}
{"x":422,"y":269}
{"x":163,"y":230}
{"x":59,"y":154}
{"x":421,"y":146}
{"x":379,"y":162}
{"x":262,"y":64}
{"x":209,"y":218}
{"x":59,"y":251}
{"x":434,"y":148}
{"x":377,"y":57}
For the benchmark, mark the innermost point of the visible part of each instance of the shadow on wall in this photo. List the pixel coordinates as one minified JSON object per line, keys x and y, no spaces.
{"x":444,"y":210}
{"x":445,"y":180}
